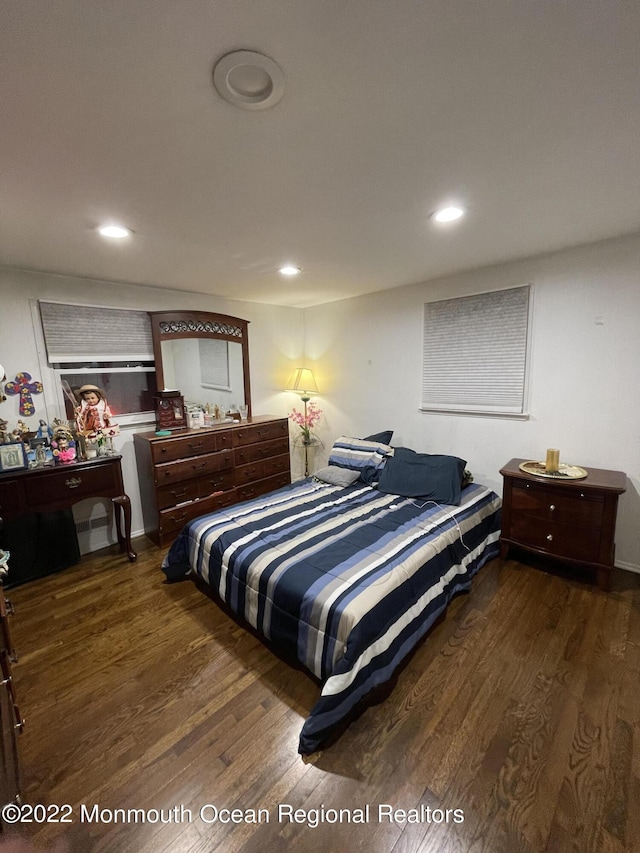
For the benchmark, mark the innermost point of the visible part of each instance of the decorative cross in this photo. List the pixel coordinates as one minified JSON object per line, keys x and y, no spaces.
{"x":23,"y":386}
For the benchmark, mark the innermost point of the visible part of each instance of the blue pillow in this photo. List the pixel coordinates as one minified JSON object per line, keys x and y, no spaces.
{"x":424,"y":476}
{"x":383,"y":437}
{"x":357,"y":454}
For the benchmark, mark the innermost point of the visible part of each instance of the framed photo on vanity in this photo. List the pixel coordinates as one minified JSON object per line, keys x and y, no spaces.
{"x":12,"y":456}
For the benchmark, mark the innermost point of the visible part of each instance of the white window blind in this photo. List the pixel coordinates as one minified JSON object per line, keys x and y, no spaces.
{"x":475,"y":353}
{"x":214,"y":363}
{"x":76,"y":333}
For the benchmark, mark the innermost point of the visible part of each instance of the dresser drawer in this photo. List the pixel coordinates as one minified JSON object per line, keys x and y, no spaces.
{"x":558,"y":540}
{"x":255,"y":452}
{"x":173,"y":520}
{"x":194,"y":467}
{"x":177,"y":493}
{"x":260,"y":432}
{"x":580,"y":508}
{"x":218,"y":481}
{"x":191,"y":490}
{"x":260,"y":470}
{"x":253,"y":490}
{"x":192,"y":444}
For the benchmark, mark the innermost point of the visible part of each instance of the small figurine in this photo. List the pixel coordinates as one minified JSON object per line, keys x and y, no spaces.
{"x":44,"y":430}
{"x":63,"y":445}
{"x":93,"y":414}
{"x":4,"y":435}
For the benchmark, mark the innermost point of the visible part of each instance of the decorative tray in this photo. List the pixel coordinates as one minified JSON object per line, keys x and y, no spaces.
{"x":564,"y":472}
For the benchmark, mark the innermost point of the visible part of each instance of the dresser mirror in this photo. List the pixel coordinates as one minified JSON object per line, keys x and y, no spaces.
{"x":204,"y":355}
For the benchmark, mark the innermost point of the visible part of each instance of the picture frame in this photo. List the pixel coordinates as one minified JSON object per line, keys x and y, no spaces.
{"x":40,"y":454}
{"x":12,"y":456}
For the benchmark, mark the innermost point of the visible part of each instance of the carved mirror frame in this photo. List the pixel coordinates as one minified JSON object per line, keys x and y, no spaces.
{"x":175,"y":325}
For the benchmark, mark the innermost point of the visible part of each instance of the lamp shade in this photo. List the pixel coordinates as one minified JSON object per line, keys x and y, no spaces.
{"x":303,"y":381}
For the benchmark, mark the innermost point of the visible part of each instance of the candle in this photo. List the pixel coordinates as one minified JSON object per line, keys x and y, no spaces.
{"x":553,"y":460}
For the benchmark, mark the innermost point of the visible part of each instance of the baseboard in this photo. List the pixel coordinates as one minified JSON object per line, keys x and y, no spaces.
{"x":97,"y":533}
{"x":629,"y":567}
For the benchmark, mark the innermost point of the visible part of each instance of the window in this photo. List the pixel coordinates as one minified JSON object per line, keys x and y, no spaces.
{"x":107,"y":347}
{"x":476,"y":353}
{"x":214,"y":363}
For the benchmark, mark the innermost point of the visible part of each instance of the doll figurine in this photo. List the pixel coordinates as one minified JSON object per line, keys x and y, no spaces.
{"x":63,"y":445}
{"x":93,"y":414}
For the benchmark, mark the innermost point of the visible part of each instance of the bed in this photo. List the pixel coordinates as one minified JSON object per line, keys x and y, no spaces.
{"x":346,"y":578}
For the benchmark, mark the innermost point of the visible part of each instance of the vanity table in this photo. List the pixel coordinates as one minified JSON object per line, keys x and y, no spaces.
{"x":59,"y":487}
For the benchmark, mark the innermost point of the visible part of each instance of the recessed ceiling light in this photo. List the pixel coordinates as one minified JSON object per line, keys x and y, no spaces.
{"x":290,"y":270}
{"x":249,"y":80}
{"x":448,"y":214}
{"x":115,"y":232}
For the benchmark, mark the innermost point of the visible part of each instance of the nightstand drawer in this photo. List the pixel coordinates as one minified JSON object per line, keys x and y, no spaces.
{"x":583,"y":509}
{"x":559,"y":540}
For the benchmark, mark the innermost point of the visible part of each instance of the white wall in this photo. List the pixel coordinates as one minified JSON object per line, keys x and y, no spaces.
{"x":585,"y":358}
{"x":275,"y":342}
{"x":366,"y":353}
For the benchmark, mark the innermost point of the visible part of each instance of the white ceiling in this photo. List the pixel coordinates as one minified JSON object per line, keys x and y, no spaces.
{"x":525,"y":111}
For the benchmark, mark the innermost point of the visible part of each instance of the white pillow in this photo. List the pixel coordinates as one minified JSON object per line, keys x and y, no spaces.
{"x":337,"y":476}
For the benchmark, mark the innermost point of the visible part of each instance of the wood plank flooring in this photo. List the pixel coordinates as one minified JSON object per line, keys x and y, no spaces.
{"x":518,"y":719}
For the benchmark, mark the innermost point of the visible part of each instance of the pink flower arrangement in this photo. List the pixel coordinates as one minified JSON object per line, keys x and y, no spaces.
{"x":306,"y":420}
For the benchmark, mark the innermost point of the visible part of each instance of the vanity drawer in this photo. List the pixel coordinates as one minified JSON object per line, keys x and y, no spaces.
{"x":192,"y":444}
{"x":195,"y":467}
{"x":260,"y":432}
{"x":173,"y":520}
{"x":579,"y":508}
{"x":45,"y":488}
{"x":260,"y":470}
{"x":9,"y":495}
{"x":255,"y":452}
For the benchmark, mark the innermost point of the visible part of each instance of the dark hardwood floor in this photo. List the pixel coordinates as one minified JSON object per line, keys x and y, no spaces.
{"x":521,"y":709}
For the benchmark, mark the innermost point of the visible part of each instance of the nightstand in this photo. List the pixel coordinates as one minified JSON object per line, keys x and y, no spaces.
{"x":573,"y":522}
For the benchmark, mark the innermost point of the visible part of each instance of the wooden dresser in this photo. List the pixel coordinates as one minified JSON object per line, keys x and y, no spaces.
{"x":11,"y":722}
{"x":193,"y":472}
{"x":571,"y":521}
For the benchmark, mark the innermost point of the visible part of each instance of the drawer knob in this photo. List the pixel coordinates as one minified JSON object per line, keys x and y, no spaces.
{"x":549,"y":537}
{"x":552,"y":507}
{"x":73,"y":483}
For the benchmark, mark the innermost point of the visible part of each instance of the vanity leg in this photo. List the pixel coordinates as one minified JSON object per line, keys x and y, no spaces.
{"x":122,"y":508}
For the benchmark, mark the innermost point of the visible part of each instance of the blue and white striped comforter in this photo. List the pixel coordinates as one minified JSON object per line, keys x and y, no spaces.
{"x":347,"y":579}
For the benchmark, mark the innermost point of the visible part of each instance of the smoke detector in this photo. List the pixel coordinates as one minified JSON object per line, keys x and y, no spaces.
{"x":248,"y":80}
